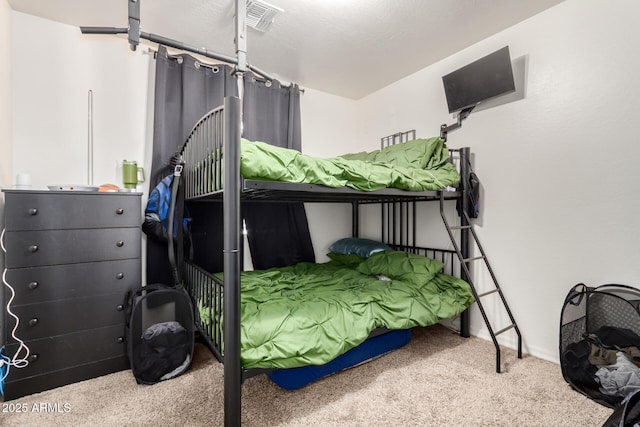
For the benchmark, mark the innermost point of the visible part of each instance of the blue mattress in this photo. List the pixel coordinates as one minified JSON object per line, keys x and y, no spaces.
{"x":291,"y":379}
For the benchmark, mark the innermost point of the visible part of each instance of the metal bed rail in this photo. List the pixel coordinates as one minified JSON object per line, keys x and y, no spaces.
{"x":447,"y":256}
{"x":203,"y":156}
{"x":206,"y":292}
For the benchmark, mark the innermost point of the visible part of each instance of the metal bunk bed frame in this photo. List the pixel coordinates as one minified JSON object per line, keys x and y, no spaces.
{"x":204,"y":176}
{"x":235,"y":187}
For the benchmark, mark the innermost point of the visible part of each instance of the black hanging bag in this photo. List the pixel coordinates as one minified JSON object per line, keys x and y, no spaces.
{"x":473,"y":194}
{"x":599,"y":326}
{"x":160,"y":321}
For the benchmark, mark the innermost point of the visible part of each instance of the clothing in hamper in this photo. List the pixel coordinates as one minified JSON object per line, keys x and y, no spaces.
{"x":160,"y":332}
{"x":163,"y":348}
{"x":596,"y":321}
{"x":308,"y":314}
{"x":620,"y":379}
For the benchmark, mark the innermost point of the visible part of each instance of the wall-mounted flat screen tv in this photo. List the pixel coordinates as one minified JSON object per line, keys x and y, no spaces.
{"x":479,"y":81}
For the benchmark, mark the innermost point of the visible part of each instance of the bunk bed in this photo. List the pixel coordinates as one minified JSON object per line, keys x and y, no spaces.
{"x":209,"y":170}
{"x":216,"y":165}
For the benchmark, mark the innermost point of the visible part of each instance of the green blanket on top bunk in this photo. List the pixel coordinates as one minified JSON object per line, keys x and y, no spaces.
{"x":308,"y":314}
{"x":419,"y":165}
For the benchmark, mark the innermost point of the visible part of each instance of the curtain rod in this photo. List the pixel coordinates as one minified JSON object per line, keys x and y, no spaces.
{"x":134,"y":35}
{"x":154,"y":53}
{"x":172,"y":43}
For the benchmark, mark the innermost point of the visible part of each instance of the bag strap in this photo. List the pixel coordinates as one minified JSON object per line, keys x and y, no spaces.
{"x":177,"y":173}
{"x":180,"y":221}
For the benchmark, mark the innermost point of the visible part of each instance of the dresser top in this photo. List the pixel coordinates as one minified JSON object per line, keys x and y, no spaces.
{"x":105,"y":193}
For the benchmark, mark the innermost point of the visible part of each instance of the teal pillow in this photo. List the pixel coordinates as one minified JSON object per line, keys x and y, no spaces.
{"x":355,"y":245}
{"x":404,"y":266}
{"x":348,"y":260}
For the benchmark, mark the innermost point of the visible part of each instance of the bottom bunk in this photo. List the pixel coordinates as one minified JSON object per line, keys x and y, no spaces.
{"x":326,"y":316}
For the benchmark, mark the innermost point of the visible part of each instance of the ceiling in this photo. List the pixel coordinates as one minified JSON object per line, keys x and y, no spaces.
{"x":349,"y":48}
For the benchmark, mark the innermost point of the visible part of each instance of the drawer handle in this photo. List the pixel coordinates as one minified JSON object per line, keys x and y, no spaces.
{"x":33,"y":322}
{"x":119,"y":211}
{"x":119,"y":243}
{"x":33,"y":248}
{"x":33,"y":358}
{"x":33,"y":211}
{"x":120,"y":307}
{"x":120,"y":340}
{"x":34,"y":285}
{"x":120,"y":276}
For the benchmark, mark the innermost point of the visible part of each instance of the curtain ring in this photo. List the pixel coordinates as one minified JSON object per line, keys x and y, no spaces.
{"x":267,"y":83}
{"x":197,"y":65}
{"x":215,"y":69}
{"x":179,"y":59}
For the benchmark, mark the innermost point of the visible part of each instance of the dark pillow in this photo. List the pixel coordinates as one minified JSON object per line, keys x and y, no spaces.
{"x":348,"y":260}
{"x":399,"y":265}
{"x":354,"y":245}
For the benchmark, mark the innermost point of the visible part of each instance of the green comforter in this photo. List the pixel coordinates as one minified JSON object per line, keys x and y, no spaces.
{"x":418,"y":165}
{"x":308,"y":314}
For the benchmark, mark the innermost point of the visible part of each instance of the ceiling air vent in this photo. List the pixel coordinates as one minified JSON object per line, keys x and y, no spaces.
{"x":260,"y":14}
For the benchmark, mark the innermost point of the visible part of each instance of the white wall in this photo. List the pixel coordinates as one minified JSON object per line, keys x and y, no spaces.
{"x":50,"y":105}
{"x":558,"y":168}
{"x":51,"y":82}
{"x":329,"y":125}
{"x":6,"y":170}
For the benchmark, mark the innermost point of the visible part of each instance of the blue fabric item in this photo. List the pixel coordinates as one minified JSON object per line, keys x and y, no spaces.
{"x":291,"y":379}
{"x":157,"y":210}
{"x":5,"y":363}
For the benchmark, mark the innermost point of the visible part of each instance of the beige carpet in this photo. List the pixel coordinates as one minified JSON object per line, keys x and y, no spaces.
{"x":439,"y":379}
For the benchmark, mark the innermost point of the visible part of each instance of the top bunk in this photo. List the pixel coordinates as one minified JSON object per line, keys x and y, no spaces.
{"x":403,"y":170}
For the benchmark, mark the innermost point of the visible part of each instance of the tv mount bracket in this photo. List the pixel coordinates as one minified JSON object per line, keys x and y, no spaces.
{"x":462,"y":114}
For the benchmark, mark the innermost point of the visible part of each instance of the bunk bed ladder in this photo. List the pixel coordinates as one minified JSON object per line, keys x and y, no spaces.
{"x":467,"y":230}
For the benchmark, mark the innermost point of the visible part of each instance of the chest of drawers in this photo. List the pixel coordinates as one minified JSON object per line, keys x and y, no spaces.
{"x":71,"y":258}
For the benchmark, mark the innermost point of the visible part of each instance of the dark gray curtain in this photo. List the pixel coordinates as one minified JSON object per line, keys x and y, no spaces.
{"x":185,"y":90}
{"x":272,"y":113}
{"x":278,"y":233}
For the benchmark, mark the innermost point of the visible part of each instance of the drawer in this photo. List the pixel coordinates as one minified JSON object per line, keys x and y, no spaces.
{"x":38,"y":248}
{"x":41,"y":284}
{"x":38,"y":383}
{"x":67,"y":316}
{"x":64,"y":351}
{"x":65,"y":210}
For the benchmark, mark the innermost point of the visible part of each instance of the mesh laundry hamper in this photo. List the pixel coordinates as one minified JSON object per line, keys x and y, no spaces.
{"x":160,"y":332}
{"x":598,"y":324}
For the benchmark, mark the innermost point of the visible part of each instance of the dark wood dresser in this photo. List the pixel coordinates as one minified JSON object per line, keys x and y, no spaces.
{"x":71,"y":258}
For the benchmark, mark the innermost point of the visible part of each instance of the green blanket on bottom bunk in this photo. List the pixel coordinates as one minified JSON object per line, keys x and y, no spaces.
{"x":418,"y":165}
{"x":308,"y":314}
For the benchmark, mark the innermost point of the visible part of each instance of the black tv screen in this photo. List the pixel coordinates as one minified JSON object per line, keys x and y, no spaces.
{"x":480,"y":80}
